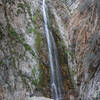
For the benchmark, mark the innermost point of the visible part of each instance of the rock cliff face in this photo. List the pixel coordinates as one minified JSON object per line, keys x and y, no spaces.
{"x":83,"y":35}
{"x":20,"y":39}
{"x":24,"y":64}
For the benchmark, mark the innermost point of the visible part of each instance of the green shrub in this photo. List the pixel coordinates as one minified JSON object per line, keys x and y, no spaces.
{"x":29,"y":29}
{"x":23,"y":6}
{"x":12,"y":33}
{"x":28,"y":48}
{"x":37,"y":79}
{"x":20,"y":5}
{"x":1,"y":62}
{"x":35,"y":30}
{"x":28,"y":9}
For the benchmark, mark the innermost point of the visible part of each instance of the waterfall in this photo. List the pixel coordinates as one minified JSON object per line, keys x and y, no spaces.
{"x":56,"y":82}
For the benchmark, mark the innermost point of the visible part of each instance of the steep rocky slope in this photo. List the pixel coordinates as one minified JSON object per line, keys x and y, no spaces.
{"x":83,"y":35}
{"x":20,"y":71}
{"x":83,"y":43}
{"x":24,"y":64}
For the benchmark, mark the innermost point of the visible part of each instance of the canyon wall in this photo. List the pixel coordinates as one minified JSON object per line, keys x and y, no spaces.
{"x":24,"y":64}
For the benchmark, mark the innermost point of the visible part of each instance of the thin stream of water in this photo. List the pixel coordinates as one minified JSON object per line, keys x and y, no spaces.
{"x":56,"y":82}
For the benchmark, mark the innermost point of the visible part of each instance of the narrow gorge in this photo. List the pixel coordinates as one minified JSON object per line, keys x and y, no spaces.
{"x":49,"y":49}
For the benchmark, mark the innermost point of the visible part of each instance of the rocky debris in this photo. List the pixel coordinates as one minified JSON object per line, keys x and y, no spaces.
{"x":39,"y":98}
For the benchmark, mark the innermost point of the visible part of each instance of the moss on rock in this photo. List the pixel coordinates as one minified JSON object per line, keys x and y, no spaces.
{"x":35,"y":30}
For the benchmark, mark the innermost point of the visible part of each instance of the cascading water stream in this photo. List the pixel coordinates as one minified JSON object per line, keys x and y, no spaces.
{"x":56,"y":82}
